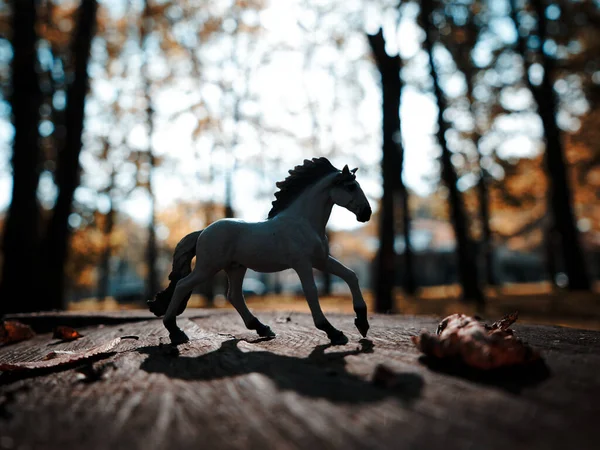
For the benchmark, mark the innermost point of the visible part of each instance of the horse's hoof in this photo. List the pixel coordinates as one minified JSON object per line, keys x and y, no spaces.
{"x":262,"y":329}
{"x":338,"y":338}
{"x":178,"y":337}
{"x":265,"y":331}
{"x":362,"y":325}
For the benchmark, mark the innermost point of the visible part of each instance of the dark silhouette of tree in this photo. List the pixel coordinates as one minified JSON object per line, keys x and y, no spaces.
{"x":54,"y":79}
{"x":460,"y":42}
{"x":467,"y":267}
{"x":107,"y":232}
{"x":67,"y":175}
{"x":152,"y":283}
{"x":21,"y":229}
{"x":391,"y":166}
{"x":560,"y":198}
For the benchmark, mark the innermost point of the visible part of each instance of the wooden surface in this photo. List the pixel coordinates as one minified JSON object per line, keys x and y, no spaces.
{"x":229,"y":389}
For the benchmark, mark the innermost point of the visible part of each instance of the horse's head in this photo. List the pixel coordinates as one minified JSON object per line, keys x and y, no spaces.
{"x":347,"y":193}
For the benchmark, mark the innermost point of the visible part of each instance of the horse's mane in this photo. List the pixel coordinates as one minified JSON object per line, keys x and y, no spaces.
{"x":299,"y":179}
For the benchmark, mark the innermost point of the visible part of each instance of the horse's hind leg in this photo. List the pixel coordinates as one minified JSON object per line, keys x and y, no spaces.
{"x":235,"y":295}
{"x":183,"y":288}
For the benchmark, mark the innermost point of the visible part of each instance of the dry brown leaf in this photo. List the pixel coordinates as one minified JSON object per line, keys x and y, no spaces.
{"x":506,"y":321}
{"x":58,"y":358}
{"x":66,"y":333}
{"x":14,"y":331}
{"x":476,"y":344}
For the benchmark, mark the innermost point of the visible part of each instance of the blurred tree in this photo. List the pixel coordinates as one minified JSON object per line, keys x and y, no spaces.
{"x":560,"y":198}
{"x":107,"y":231}
{"x":463,"y":35}
{"x":518,"y":198}
{"x":111,"y":157}
{"x":151,"y":250}
{"x":55,"y":43}
{"x":86,"y":248}
{"x":67,"y":176}
{"x":21,"y":231}
{"x":391,"y":166}
{"x":575,"y":28}
{"x":467,"y":267}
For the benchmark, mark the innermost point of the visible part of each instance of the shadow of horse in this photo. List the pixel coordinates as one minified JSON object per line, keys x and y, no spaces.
{"x":320,"y":375}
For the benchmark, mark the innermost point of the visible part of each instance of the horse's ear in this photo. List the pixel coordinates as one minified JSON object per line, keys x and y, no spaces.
{"x":354,"y":170}
{"x":345,"y":170}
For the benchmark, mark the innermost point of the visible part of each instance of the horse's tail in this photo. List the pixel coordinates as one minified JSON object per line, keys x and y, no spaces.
{"x":182,"y":267}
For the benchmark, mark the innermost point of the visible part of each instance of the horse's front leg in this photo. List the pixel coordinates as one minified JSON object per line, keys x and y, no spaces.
{"x":334,"y":267}
{"x":235,"y":295}
{"x":309,"y":287}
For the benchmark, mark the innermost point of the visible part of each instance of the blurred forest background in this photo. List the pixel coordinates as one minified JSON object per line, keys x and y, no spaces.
{"x":125,"y":124}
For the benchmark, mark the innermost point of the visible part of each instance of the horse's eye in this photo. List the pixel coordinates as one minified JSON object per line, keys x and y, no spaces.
{"x":352,"y":187}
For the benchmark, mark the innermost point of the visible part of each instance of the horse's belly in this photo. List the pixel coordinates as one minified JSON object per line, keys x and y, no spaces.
{"x":270,"y":246}
{"x":261,"y":259}
{"x":266,"y":267}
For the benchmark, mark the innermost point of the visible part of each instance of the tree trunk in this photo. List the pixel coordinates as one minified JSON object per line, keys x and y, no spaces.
{"x":385,"y":267}
{"x":482,"y":194}
{"x":21,"y":229}
{"x":560,"y":193}
{"x":486,"y":232}
{"x":152,"y":285}
{"x":461,"y":50}
{"x":550,"y":252}
{"x":104,"y":278}
{"x":408,"y":280}
{"x":152,"y":247}
{"x":229,"y":213}
{"x":467,"y":267}
{"x":56,"y":240}
{"x":560,"y":201}
{"x":109,"y":223}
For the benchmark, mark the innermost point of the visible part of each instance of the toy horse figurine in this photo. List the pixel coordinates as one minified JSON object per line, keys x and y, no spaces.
{"x":293,"y":236}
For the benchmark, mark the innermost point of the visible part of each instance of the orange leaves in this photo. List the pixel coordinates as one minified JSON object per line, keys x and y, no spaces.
{"x":209,"y":27}
{"x":65,"y":333}
{"x":475,"y":344}
{"x":14,"y":331}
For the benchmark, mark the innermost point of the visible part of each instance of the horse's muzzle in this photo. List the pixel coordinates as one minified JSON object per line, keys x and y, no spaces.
{"x":364,"y":214}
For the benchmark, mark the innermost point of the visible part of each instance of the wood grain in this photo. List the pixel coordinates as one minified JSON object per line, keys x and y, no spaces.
{"x":227,"y":388}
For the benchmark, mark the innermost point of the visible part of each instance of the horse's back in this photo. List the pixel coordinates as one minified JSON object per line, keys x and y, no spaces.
{"x":255,"y":245}
{"x":222,"y":234}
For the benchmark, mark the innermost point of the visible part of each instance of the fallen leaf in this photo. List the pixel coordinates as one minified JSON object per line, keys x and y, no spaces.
{"x":58,"y":358}
{"x":506,"y":321}
{"x":66,"y":333}
{"x":14,"y":331}
{"x":472,"y":342}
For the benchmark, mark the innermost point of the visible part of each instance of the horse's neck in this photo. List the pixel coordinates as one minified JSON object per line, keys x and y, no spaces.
{"x":314,"y":205}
